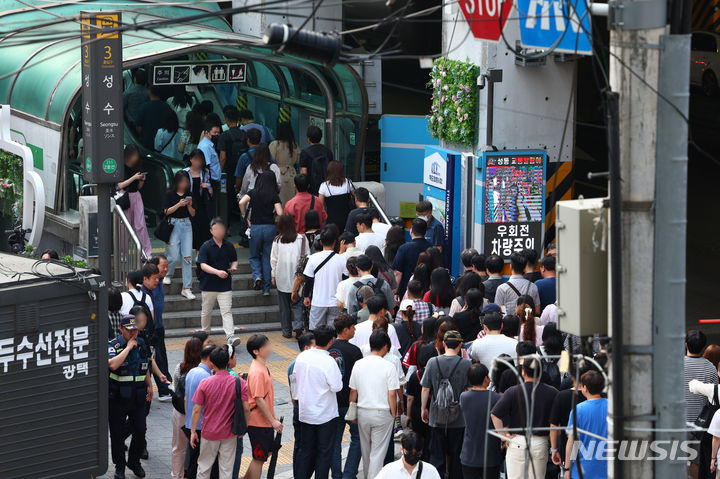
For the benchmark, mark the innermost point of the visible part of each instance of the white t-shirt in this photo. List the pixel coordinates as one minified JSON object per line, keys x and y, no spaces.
{"x":363,"y":240}
{"x":327,"y":278}
{"x":364,"y":330}
{"x":381,"y":229}
{"x":343,"y":288}
{"x":393,"y":356}
{"x":128,"y":301}
{"x":326,"y":189}
{"x":373,"y":377}
{"x":396,"y":470}
{"x":491,"y":346}
{"x":714,"y":428}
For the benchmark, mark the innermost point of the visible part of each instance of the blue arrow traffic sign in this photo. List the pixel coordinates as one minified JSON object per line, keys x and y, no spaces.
{"x":544,"y":23}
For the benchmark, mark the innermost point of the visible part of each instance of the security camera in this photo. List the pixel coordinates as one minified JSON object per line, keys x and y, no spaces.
{"x":481,"y":81}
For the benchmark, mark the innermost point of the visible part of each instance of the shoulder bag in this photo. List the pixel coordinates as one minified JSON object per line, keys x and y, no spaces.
{"x":164,"y":229}
{"x":239,"y":425}
{"x":310,"y":282}
{"x":706,"y":414}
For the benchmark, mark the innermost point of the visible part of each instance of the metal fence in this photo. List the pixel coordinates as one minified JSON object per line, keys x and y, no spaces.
{"x":128,"y":254}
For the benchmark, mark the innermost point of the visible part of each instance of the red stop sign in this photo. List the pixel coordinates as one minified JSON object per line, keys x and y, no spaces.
{"x":486,"y":18}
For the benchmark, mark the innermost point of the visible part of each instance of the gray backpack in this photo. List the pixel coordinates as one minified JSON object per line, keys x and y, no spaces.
{"x":445,"y":407}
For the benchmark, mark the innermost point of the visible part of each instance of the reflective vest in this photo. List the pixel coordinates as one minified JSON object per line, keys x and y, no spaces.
{"x":133,"y":370}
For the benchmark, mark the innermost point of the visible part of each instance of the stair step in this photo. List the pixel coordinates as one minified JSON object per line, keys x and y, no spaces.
{"x":241,"y":298}
{"x":239,"y":282}
{"x":244,"y":315}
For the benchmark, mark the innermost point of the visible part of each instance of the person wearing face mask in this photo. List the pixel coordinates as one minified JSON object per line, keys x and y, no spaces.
{"x":435,"y":231}
{"x":409,"y":465}
{"x":208,"y":146}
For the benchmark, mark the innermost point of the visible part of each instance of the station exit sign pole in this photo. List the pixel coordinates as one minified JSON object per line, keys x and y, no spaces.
{"x":102,"y":90}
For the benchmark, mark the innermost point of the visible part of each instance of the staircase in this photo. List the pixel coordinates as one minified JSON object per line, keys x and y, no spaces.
{"x":249,"y":307}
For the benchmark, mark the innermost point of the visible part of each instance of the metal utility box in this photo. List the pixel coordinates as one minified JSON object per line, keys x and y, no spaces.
{"x":53,"y":372}
{"x":582,"y":266}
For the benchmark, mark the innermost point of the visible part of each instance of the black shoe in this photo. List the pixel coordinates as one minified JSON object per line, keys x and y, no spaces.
{"x":287,"y":335}
{"x":144,"y":456}
{"x":298,"y":333}
{"x":119,"y":473}
{"x":257,"y":285}
{"x":137,"y":470}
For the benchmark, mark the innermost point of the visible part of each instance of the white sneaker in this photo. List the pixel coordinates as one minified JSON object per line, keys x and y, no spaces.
{"x":187,"y":293}
{"x":164,"y":398}
{"x":167,"y":280}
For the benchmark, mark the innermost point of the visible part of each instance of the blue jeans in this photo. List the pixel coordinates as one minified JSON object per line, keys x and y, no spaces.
{"x":352,"y":462}
{"x":238,"y":457}
{"x":261,"y":238}
{"x":180,"y":249}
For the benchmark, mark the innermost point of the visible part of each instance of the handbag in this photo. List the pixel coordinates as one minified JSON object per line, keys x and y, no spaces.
{"x":122,"y":200}
{"x":164,"y":230}
{"x":351,"y":414}
{"x":239,"y":425}
{"x":706,"y":414}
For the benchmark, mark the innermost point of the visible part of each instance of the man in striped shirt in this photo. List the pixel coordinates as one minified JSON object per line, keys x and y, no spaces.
{"x":696,"y":367}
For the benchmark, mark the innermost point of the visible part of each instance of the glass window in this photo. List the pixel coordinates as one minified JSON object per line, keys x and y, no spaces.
{"x":703,"y":42}
{"x":289,"y":79}
{"x":353,"y":94}
{"x":262,"y":77}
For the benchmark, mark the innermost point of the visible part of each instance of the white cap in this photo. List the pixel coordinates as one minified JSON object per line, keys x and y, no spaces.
{"x":407,"y":303}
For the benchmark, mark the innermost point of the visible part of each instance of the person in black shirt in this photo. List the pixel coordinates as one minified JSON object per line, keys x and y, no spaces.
{"x":264,"y":202}
{"x":531,"y":257}
{"x":150,"y":116}
{"x":512,"y":377}
{"x":408,"y":331}
{"x":315,"y":158}
{"x":413,"y":393}
{"x":346,"y":355}
{"x":362,"y":197}
{"x":469,"y":321}
{"x":231,"y":144}
{"x":512,"y":407}
{"x":494,"y":266}
{"x":179,"y":209}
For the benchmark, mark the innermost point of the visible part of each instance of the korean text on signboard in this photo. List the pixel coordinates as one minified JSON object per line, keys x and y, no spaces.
{"x":65,"y":348}
{"x":513,"y":203}
{"x":102,"y":88}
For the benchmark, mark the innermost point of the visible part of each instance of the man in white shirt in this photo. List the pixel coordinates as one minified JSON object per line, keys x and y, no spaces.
{"x":318,"y":379}
{"x":494,"y":343}
{"x":327,"y":269}
{"x":344,"y":286}
{"x":366,"y":236}
{"x":508,"y":293}
{"x":134,"y":283}
{"x":365,"y":277}
{"x":348,"y":246}
{"x":409,"y":466}
{"x":377,"y":307}
{"x":380,"y":228}
{"x":373,"y":386}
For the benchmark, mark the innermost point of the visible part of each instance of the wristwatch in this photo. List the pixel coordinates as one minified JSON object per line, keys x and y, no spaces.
{"x":553,"y":450}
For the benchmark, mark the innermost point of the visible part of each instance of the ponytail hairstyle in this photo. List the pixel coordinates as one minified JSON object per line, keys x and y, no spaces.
{"x":381,"y":323}
{"x":526,"y":313}
{"x":409,"y":314}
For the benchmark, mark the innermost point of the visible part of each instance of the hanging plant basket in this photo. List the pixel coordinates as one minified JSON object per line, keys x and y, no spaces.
{"x":453,"y":117}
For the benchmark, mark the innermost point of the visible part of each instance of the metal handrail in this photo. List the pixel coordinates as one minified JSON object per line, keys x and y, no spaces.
{"x":376,"y":205}
{"x":128,"y":254}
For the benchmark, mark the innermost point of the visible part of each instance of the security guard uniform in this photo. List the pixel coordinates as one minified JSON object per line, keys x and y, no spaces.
{"x":127,"y":391}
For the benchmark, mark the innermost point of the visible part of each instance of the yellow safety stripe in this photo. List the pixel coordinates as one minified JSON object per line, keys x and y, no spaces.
{"x":126,"y":379}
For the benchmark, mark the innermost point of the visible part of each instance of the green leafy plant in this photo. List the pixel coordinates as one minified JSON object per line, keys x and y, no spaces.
{"x":11,"y":182}
{"x":453,"y":116}
{"x":67,"y":259}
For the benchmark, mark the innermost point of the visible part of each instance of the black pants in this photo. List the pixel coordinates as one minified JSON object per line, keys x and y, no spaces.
{"x":446,"y":442}
{"x":704,"y":457}
{"x":161,"y":360}
{"x":212,"y":204}
{"x":127,"y":413}
{"x":316,"y":451}
{"x":481,"y":472}
{"x":194,"y":454}
{"x":422,"y":430}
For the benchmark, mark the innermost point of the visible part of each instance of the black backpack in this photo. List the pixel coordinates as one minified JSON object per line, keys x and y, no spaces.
{"x":178,"y":394}
{"x":318,"y":169}
{"x":150,"y":326}
{"x":238,"y":146}
{"x":376,"y":286}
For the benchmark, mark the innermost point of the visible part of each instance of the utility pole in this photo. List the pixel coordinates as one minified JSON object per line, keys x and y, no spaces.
{"x":649,"y":70}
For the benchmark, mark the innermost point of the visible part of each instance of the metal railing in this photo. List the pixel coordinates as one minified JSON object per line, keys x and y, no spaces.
{"x":376,"y":204}
{"x":128,"y":254}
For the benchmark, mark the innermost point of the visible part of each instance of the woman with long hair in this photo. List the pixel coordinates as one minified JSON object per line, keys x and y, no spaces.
{"x":468,"y":281}
{"x":191,"y":359}
{"x":200,"y":190}
{"x":428,"y":332}
{"x":408,"y":331}
{"x":167,"y":138}
{"x":422,"y":274}
{"x":469,"y":320}
{"x":336,"y":195}
{"x":132,"y":184}
{"x":384,"y":270}
{"x":436,"y":257}
{"x":287,"y":249}
{"x":261,"y":162}
{"x":286,"y":153}
{"x":181,"y":102}
{"x":264,"y":203}
{"x":312,"y":228}
{"x":394,"y":239}
{"x":179,"y":209}
{"x":194,"y":127}
{"x":529,"y":329}
{"x":441,"y":291}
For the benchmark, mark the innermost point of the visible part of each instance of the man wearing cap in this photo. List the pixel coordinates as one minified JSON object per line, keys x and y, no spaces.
{"x":366,"y":278}
{"x":129,"y":388}
{"x":446,"y":437}
{"x":494,"y":343}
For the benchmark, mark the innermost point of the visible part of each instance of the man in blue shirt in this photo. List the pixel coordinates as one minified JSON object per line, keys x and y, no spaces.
{"x":407,"y":255}
{"x":592,"y":417}
{"x":248,"y":123}
{"x":253,"y":140}
{"x":192,"y":381}
{"x":435,"y":233}
{"x":212,"y":160}
{"x":546,"y":286}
